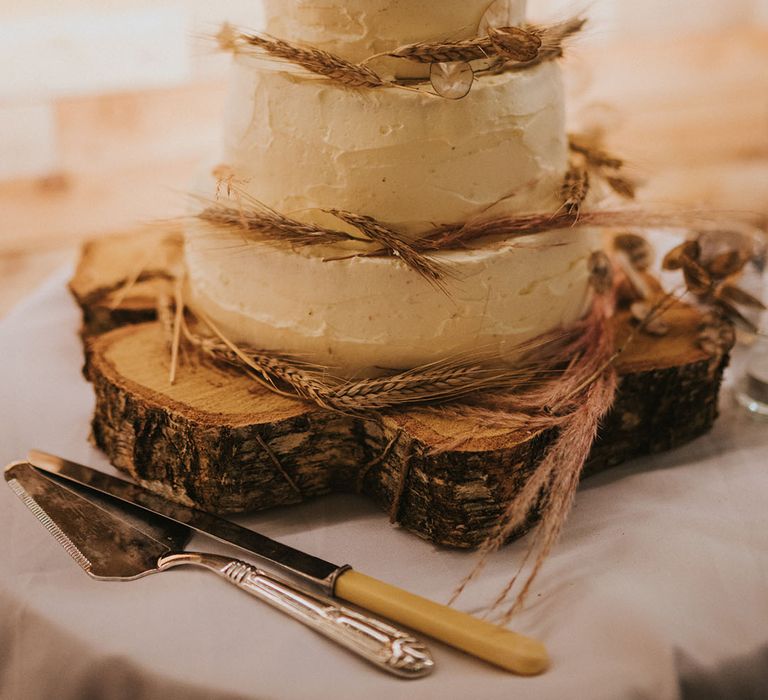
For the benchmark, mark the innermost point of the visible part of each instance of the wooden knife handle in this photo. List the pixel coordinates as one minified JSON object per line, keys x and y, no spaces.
{"x":499,"y":646}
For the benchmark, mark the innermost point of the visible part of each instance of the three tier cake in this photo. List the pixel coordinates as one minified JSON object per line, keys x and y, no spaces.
{"x":304,"y":146}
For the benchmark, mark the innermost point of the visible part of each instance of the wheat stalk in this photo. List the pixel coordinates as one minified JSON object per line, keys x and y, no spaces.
{"x":594,"y":154}
{"x":553,"y":39}
{"x":457,"y":236}
{"x":509,"y":43}
{"x":509,"y":48}
{"x":311,"y":59}
{"x":435,"y":383}
{"x":443,"y":382}
{"x":575,"y":189}
{"x":603,"y":164}
{"x":280,"y":374}
{"x":261,"y":223}
{"x":267,"y":225}
{"x":428,"y":268}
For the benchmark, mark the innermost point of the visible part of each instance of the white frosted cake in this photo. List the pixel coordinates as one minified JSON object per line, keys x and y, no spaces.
{"x":411,"y":160}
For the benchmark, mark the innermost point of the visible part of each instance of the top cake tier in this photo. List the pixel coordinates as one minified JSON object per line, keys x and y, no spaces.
{"x":358,"y":29}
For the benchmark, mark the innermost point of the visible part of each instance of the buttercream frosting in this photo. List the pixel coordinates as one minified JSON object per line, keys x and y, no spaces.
{"x":403,"y":158}
{"x":359,"y":29}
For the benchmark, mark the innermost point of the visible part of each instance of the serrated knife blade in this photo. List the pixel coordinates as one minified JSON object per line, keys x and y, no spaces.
{"x":311,"y":572}
{"x":104,"y":549}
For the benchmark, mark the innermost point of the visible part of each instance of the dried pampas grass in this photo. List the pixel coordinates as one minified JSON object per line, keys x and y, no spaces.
{"x":573,"y":404}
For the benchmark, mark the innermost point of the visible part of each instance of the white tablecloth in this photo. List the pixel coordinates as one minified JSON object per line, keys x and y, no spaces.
{"x":659,"y":588}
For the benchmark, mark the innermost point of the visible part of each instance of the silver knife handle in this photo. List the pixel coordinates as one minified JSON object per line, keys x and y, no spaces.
{"x":379,"y":642}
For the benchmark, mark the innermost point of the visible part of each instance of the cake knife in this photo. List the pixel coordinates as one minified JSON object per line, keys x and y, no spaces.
{"x":492,"y":643}
{"x":113,"y":541}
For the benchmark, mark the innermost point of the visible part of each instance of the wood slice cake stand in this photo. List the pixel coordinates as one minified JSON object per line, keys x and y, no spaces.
{"x":217,"y":440}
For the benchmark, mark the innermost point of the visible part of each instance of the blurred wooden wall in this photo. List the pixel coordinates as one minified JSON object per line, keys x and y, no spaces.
{"x":107,"y":109}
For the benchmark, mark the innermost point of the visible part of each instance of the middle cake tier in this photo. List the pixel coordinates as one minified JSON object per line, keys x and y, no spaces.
{"x":408,"y":159}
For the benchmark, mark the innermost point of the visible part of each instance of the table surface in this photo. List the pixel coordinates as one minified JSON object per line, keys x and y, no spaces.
{"x":657,"y":590}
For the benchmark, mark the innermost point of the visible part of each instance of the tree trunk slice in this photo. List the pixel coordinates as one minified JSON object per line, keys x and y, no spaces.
{"x":119,"y":279}
{"x":217,"y":440}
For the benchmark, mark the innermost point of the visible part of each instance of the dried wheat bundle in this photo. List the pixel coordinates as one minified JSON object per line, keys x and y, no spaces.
{"x":553,"y":40}
{"x":261,"y":223}
{"x":431,"y":270}
{"x":438,"y":382}
{"x":575,"y":189}
{"x":456,"y":236}
{"x":508,"y":48}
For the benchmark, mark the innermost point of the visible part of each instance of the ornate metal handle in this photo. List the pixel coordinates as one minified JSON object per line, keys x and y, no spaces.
{"x":379,"y":642}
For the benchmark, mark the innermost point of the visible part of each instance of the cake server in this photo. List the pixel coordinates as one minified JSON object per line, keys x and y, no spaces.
{"x":113,"y":541}
{"x":492,"y":643}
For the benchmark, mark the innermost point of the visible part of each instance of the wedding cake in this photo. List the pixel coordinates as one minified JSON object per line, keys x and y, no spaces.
{"x":302,"y":146}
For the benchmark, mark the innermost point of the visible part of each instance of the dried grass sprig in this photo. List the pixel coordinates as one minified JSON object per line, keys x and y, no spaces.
{"x":553,"y":41}
{"x":260,"y":223}
{"x":456,"y":236}
{"x":278,"y":373}
{"x":594,"y":153}
{"x":178,"y":297}
{"x":562,"y":468}
{"x":623,"y":186}
{"x":573,"y":403}
{"x":604,"y":165}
